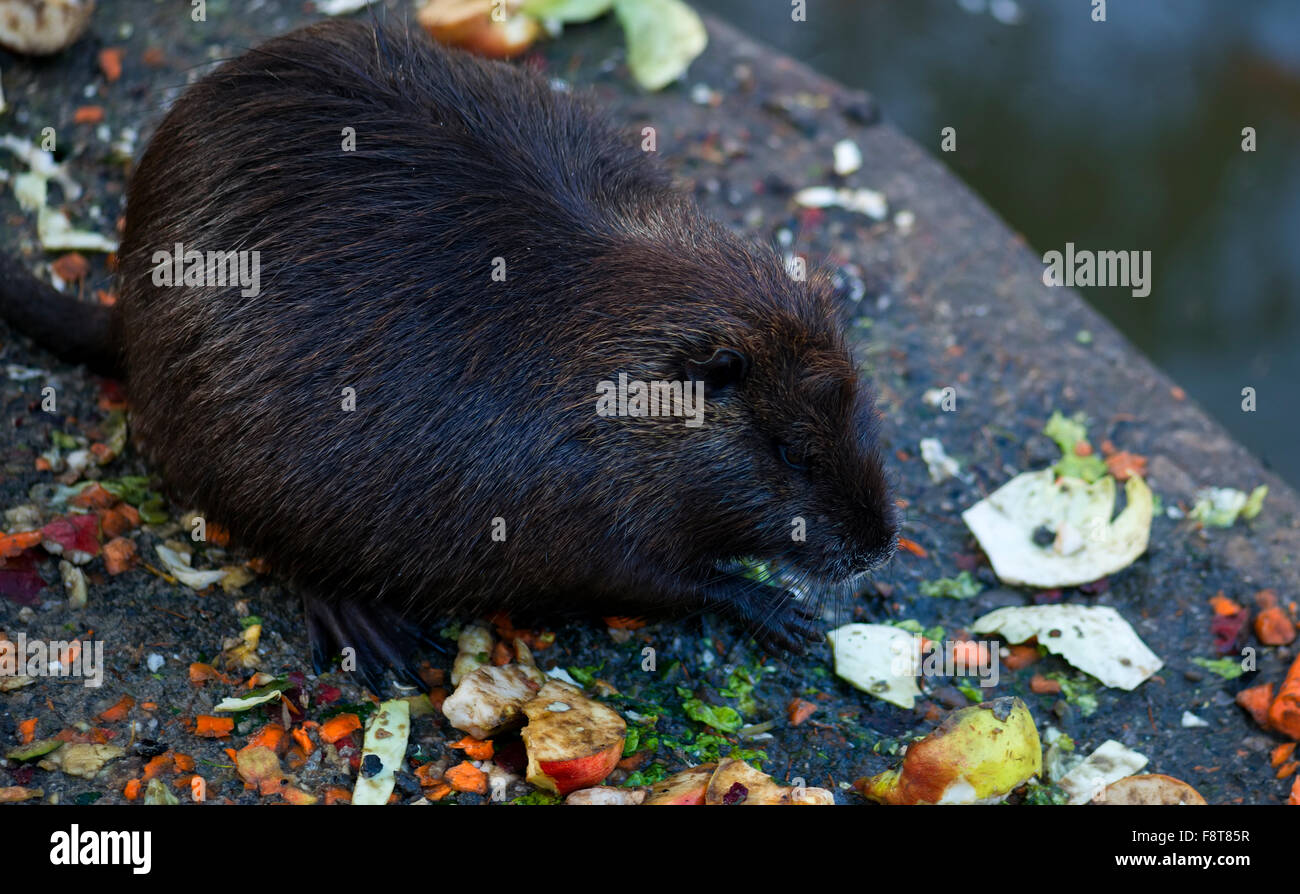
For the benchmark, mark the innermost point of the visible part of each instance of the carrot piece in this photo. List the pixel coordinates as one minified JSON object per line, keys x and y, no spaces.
{"x":912,"y":547}
{"x":1286,"y":770}
{"x":271,"y":735}
{"x":158,"y":765}
{"x":1294,"y":800}
{"x":1223,"y":605}
{"x":476,"y":749}
{"x":337,"y":795}
{"x":1281,"y":754}
{"x":113,"y":523}
{"x":337,"y":727}
{"x":799,"y":710}
{"x":213,"y":727}
{"x":118,"y":711}
{"x":633,"y":761}
{"x":1043,"y":686}
{"x":119,"y":555}
{"x":972,"y":653}
{"x":27,"y":731}
{"x":1284,"y":714}
{"x":202,"y":673}
{"x":94,"y":497}
{"x":1256,"y":701}
{"x":1274,"y":628}
{"x":304,"y":741}
{"x":88,"y":115}
{"x":110,"y":63}
{"x":438,"y":791}
{"x":465,"y":777}
{"x":1125,"y":465}
{"x":132,"y":514}
{"x":1266,"y":598}
{"x":502,"y":654}
{"x":132,"y":789}
{"x":13,"y":544}
{"x":1021,"y":655}
{"x":293,"y":795}
{"x":425,"y":773}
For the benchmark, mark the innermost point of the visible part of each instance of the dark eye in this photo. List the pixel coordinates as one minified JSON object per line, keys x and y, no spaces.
{"x":792,"y":457}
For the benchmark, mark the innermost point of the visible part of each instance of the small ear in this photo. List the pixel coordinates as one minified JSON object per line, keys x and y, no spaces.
{"x":725,"y":367}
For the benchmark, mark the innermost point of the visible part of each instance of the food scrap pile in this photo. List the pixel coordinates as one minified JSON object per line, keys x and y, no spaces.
{"x":1102,"y":580}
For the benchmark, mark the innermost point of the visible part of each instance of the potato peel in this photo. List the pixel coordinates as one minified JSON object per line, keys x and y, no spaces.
{"x":1088,"y":544}
{"x":386,"y":737}
{"x":870,"y":656}
{"x":1094,"y":638}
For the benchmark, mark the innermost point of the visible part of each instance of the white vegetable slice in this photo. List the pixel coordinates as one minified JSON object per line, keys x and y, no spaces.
{"x":878,"y":659}
{"x":941,"y":465}
{"x":860,"y":201}
{"x":386,"y":736}
{"x":243,"y":704}
{"x":1004,"y":524}
{"x":178,"y":566}
{"x":1093,"y":638}
{"x":1111,"y":762}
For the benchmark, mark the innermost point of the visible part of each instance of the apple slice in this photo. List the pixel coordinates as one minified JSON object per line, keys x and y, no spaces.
{"x":572,"y":741}
{"x":491,"y":699}
{"x":978,"y":754}
{"x":1153,"y":788}
{"x":607,"y":795}
{"x":736,"y":782}
{"x":686,"y":787}
{"x":470,"y":24}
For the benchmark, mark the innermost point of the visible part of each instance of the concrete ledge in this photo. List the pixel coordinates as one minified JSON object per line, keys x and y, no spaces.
{"x":957,"y":301}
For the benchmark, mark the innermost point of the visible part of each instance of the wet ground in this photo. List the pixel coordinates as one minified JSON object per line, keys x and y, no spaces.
{"x":951,"y":300}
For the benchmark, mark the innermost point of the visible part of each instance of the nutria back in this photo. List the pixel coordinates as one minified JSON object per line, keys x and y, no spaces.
{"x":406,"y":410}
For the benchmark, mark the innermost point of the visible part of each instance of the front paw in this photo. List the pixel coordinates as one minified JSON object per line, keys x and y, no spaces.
{"x":777,"y":619}
{"x":789,"y":626}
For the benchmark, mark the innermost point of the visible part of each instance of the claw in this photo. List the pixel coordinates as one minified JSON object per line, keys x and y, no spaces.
{"x":777,"y":620}
{"x":381,"y":639}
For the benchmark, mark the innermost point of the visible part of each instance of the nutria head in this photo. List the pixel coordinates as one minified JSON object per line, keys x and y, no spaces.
{"x":783,"y":465}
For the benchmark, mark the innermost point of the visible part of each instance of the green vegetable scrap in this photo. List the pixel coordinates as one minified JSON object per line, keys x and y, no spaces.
{"x":720,"y":717}
{"x":1067,"y":433}
{"x":963,"y":586}
{"x":1220,"y":507}
{"x":1228,"y":668}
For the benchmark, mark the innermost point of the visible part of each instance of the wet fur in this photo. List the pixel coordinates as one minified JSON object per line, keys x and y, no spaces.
{"x":476,"y":399}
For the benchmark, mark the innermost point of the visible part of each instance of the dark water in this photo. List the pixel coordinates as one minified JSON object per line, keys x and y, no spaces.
{"x":1123,"y":134}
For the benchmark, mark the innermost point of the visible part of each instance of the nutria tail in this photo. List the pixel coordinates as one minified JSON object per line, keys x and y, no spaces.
{"x":74,"y":330}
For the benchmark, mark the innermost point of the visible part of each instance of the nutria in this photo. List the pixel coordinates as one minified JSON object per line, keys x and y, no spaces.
{"x":486,"y":254}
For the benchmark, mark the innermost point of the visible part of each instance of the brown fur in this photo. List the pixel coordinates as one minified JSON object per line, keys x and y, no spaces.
{"x":476,"y":399}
